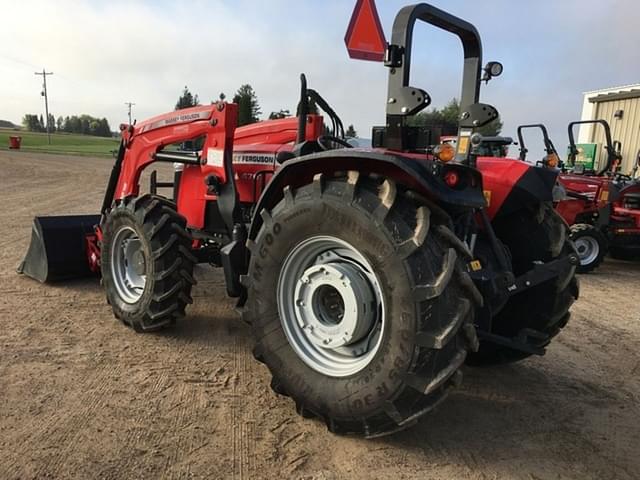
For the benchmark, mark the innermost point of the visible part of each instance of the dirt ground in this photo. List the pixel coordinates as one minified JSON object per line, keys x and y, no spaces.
{"x":81,"y":396}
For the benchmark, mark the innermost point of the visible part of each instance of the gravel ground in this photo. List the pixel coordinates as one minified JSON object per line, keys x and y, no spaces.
{"x":81,"y":396}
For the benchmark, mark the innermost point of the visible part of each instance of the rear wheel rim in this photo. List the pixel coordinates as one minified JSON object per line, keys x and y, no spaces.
{"x":588,"y":249}
{"x":128,"y":265}
{"x":331,"y":306}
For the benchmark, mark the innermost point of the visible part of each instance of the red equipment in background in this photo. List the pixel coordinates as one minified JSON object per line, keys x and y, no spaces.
{"x":624,"y":229}
{"x":602,"y":205}
{"x":14,"y":142}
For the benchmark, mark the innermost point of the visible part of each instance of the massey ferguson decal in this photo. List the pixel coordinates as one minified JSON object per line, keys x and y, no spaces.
{"x":254,"y":158}
{"x":177,"y":119}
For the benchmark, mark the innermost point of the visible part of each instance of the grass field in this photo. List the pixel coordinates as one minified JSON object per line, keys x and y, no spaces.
{"x":60,"y":143}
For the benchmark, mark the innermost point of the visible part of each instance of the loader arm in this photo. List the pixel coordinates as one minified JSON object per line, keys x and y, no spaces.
{"x":144,"y":142}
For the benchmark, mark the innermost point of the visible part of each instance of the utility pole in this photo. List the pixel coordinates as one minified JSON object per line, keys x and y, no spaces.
{"x":46,"y":100}
{"x":129,"y":105}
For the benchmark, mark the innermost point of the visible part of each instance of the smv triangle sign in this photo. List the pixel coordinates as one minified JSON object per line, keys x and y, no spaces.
{"x":365,"y":37}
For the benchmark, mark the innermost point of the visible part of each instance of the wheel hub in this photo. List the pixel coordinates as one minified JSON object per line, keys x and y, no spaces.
{"x":334,"y":304}
{"x":588,"y":249}
{"x":139,"y":265}
{"x":331,"y":306}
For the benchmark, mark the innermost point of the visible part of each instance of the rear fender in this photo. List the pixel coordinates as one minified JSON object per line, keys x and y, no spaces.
{"x":421,"y":176}
{"x":511,"y":185}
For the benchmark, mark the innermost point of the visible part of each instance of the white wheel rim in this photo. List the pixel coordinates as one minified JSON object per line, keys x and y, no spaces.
{"x":128,"y":265}
{"x":588,"y":249}
{"x":331,"y":306}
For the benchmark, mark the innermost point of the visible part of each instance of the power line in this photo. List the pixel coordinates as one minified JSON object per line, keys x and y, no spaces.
{"x":46,"y":100}
{"x":129,"y":104}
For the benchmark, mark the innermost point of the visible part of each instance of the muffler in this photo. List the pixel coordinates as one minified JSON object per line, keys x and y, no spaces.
{"x":58,"y":248}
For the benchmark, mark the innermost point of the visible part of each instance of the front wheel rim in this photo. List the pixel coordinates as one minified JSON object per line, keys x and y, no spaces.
{"x":128,"y":265}
{"x":331,"y":306}
{"x":588,"y":249}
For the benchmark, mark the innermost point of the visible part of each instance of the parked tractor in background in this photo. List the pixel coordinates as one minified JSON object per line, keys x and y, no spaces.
{"x":582,"y":201}
{"x":368,"y":276}
{"x":624,"y":231}
{"x":605,"y":207}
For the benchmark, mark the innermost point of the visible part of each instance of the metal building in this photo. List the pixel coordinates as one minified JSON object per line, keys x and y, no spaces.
{"x":620,"y":106}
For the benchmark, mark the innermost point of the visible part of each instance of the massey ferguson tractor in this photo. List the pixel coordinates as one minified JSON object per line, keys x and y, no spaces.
{"x":368,"y":275}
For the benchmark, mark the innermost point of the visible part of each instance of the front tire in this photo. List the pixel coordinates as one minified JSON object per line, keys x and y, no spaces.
{"x":361,"y":309}
{"x":146,"y":263}
{"x":591,"y":245}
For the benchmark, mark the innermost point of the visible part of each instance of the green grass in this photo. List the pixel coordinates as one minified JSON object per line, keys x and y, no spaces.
{"x":61,"y":143}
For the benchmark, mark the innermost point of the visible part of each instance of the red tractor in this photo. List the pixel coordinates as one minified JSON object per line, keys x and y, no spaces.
{"x":588,"y":206}
{"x":624,"y":223}
{"x":582,"y":201}
{"x":368,"y":276}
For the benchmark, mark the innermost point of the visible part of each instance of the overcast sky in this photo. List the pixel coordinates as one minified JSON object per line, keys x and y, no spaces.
{"x":108,"y":52}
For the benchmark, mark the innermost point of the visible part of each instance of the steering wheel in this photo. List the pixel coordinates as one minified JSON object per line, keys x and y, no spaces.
{"x":325,"y":142}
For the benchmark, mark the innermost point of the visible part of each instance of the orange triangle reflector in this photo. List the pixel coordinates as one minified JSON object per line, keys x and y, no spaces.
{"x":365,"y":37}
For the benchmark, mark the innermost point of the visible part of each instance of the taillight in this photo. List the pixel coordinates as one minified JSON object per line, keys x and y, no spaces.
{"x":451,"y":178}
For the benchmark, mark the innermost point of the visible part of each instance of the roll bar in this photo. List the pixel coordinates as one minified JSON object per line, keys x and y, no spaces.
{"x":404,"y":100}
{"x":548,"y":144}
{"x":573,"y":150}
{"x":399,"y":57}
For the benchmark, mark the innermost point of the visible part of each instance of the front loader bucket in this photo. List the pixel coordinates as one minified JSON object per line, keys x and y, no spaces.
{"x":58,"y":248}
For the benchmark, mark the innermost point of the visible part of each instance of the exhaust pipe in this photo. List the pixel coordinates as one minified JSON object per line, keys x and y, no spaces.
{"x":58,"y":248}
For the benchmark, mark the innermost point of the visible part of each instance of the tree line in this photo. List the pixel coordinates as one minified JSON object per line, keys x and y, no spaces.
{"x":82,"y":124}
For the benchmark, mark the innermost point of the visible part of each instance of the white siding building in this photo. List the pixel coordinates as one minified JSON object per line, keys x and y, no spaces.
{"x":620,"y":106}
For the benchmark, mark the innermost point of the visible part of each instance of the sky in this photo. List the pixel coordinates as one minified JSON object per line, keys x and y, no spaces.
{"x":106,"y":53}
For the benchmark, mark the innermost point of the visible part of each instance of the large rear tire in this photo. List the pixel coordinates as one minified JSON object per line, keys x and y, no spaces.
{"x":532,"y":236}
{"x":146,"y":262}
{"x":360,"y":304}
{"x":591,"y":245}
